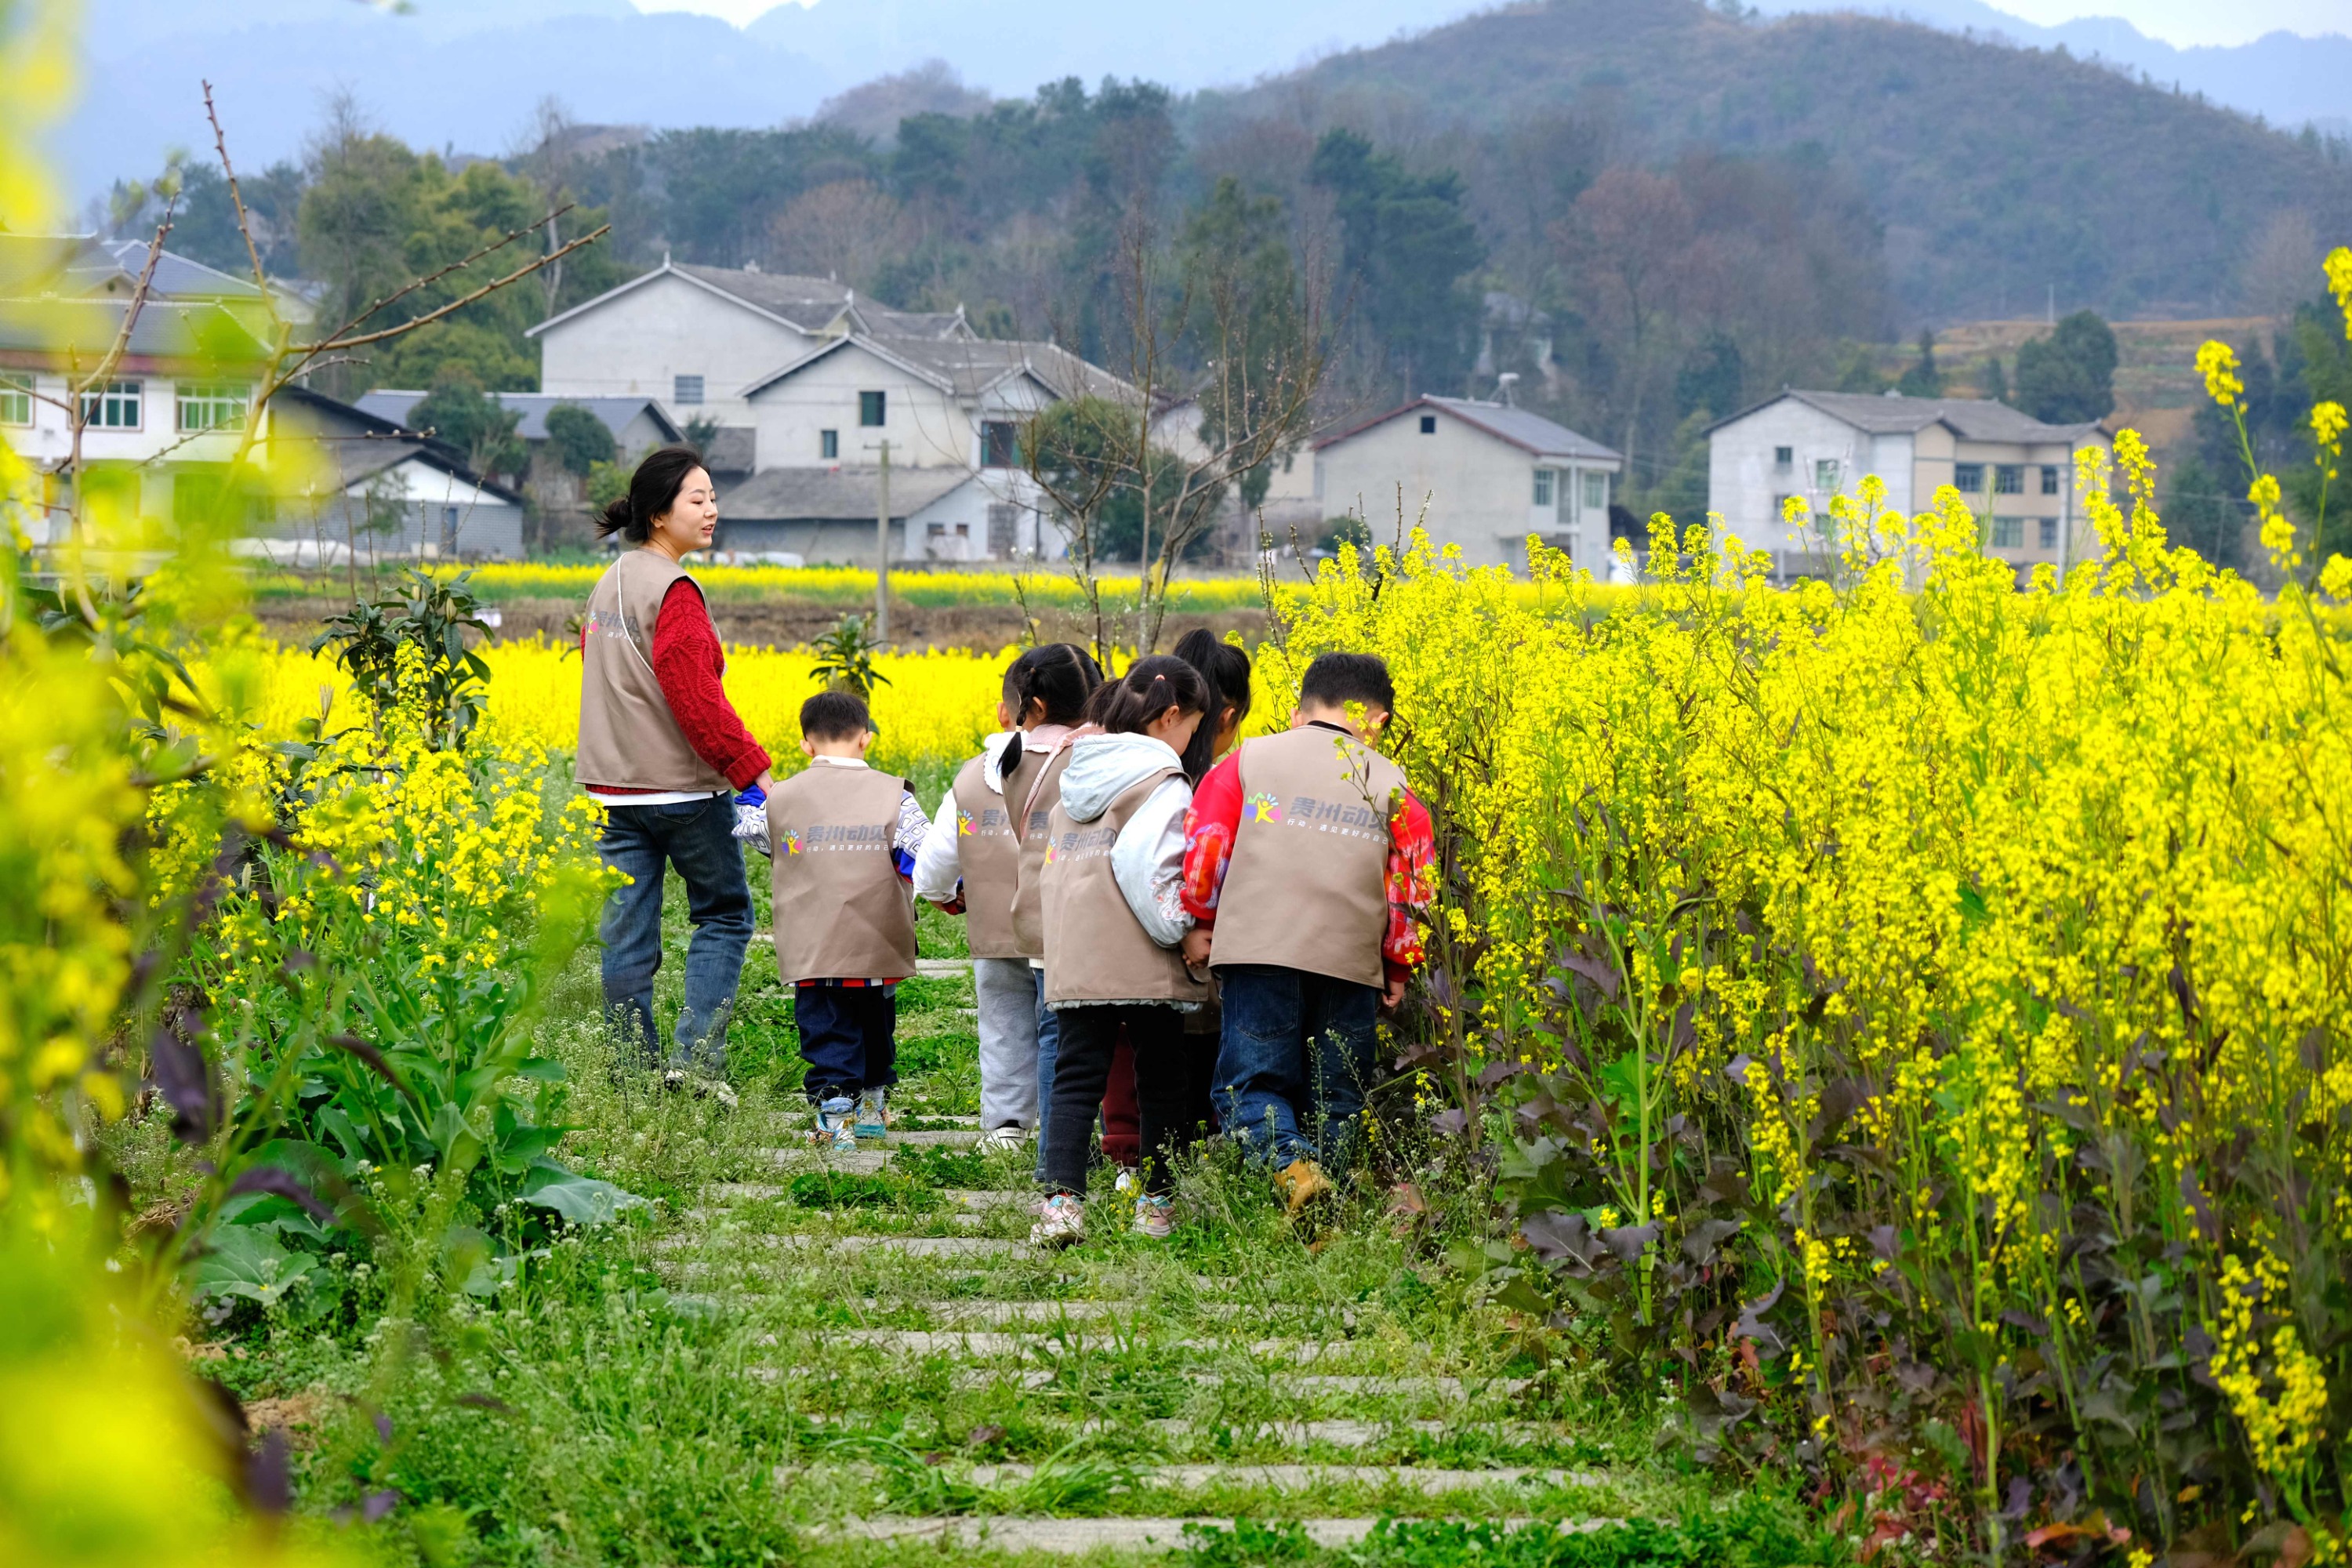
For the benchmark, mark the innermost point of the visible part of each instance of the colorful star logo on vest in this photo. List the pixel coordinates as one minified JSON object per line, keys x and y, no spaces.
{"x":1265,"y":807}
{"x":791,"y":841}
{"x":1049,"y":852}
{"x":966,"y":823}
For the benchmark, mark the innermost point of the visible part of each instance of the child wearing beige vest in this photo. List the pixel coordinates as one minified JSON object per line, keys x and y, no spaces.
{"x":974,"y":871}
{"x":1114,"y":923}
{"x":1306,"y":861}
{"x":844,"y":839}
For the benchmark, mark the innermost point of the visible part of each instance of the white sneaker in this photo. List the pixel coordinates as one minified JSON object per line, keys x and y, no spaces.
{"x":834,"y":1128}
{"x":1129,"y":1185}
{"x":1061,"y":1222}
{"x":873,"y":1119}
{"x":1005,"y":1139}
{"x":1154,"y":1217}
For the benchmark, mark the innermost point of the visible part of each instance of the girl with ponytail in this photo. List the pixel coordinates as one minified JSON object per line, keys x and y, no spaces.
{"x":974,"y":870}
{"x":1114,"y":922}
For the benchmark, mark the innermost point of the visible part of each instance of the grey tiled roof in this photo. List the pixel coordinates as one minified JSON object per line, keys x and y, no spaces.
{"x":807,"y":303}
{"x":1891,"y":414}
{"x":1520,"y":426}
{"x":968,"y":366}
{"x":834,"y":494}
{"x":616,"y":412}
{"x":166,"y":329}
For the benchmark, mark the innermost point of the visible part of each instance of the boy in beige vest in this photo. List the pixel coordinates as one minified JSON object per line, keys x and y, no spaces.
{"x":1306,"y":861}
{"x":844,"y":839}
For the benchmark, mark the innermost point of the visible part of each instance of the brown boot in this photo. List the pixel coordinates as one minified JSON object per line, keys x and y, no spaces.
{"x":1301,"y":1184}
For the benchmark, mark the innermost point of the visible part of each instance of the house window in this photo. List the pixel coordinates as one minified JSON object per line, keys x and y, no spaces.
{"x":2049,"y":478}
{"x":828,"y":445}
{"x":1783,"y":457}
{"x":871,"y":406}
{"x":1429,"y":423}
{"x":2008,"y":533}
{"x":1825,"y":474}
{"x":1544,"y":478}
{"x":1596,"y":492}
{"x":114,"y":407}
{"x":16,"y":400}
{"x":2008,"y":479}
{"x":686,"y":391}
{"x":1969,"y":477}
{"x":212,"y":406}
{"x":1000,"y":444}
{"x":2049,"y":533}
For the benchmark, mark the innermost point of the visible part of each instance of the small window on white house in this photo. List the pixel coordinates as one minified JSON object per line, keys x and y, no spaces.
{"x":872,"y":407}
{"x":1825,"y":475}
{"x":687,"y":392}
{"x":1000,"y":444}
{"x":2049,"y":533}
{"x":1596,"y":492}
{"x":114,"y":407}
{"x":2008,"y":533}
{"x":2049,"y":478}
{"x":1783,"y":457}
{"x":828,"y":445}
{"x":1544,"y":480}
{"x":1429,"y":423}
{"x":2009,"y":479}
{"x":16,"y":400}
{"x":1969,"y":477}
{"x":212,"y":406}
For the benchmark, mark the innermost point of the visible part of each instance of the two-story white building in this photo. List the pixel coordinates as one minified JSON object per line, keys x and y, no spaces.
{"x":805,"y":383}
{"x":698,"y":338}
{"x":1490,"y":474}
{"x":2016,"y":473}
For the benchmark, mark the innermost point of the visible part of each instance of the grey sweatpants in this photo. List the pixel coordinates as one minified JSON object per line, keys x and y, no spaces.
{"x":1007,"y":991}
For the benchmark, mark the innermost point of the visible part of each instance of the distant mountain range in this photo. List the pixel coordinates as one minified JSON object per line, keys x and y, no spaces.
{"x":466,"y":73}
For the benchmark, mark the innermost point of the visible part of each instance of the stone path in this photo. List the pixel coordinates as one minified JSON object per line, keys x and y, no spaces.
{"x":943,"y":1385}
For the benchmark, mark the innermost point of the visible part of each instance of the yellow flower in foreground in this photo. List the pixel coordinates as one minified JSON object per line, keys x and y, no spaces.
{"x":2219,"y":365}
{"x":2327,"y":424}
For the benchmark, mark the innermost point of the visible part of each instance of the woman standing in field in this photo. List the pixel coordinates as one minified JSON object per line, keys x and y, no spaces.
{"x":664,"y":750}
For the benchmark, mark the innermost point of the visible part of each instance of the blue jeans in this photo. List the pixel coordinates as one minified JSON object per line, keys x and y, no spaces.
{"x":1049,"y":1046}
{"x":1294,"y":1061}
{"x":697,"y":837}
{"x":848,"y":1037}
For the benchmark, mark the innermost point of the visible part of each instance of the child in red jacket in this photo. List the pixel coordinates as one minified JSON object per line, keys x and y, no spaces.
{"x":1306,"y":865}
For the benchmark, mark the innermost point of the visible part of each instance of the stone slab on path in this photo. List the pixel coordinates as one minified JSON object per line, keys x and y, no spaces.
{"x":1068,"y":1537}
{"x":1428,"y":1482}
{"x":990,"y":1343}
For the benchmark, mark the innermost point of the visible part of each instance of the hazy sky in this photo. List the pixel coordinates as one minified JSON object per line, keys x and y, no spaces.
{"x":2179,"y":22}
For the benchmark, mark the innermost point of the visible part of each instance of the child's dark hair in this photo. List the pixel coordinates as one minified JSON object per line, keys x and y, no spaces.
{"x":1058,"y":677}
{"x":834,"y":716}
{"x":1336,"y":679}
{"x":1226,"y":671}
{"x":1149,"y":688}
{"x":653,"y":489}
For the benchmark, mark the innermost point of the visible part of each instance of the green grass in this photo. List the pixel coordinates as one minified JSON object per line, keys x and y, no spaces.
{"x":701,"y":1382}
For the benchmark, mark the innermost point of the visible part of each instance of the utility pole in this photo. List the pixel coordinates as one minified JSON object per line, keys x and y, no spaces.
{"x":882,"y":551}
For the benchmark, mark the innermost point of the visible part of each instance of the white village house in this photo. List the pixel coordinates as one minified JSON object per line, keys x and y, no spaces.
{"x":1498,"y":473}
{"x":813,"y":381}
{"x":2016,"y":473}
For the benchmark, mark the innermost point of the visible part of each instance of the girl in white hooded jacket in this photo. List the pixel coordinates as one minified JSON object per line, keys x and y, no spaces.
{"x":1114,"y":924}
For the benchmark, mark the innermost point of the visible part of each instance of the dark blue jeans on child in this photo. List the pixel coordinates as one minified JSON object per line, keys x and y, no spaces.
{"x":848,"y":1037}
{"x":1293,"y":1060}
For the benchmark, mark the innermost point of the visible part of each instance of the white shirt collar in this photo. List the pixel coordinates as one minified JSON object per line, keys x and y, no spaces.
{"x":840,"y":762}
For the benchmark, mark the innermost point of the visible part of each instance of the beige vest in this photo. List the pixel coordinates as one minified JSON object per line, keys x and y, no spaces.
{"x":841,"y":910}
{"x":989,"y":849}
{"x":1028,"y":909}
{"x":628,"y":737}
{"x":1307,"y":886}
{"x":1095,"y":950}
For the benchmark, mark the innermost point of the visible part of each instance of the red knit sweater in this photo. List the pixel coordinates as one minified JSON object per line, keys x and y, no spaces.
{"x":687,"y":662}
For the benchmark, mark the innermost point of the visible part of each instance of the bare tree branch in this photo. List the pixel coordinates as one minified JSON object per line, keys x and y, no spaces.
{"x":236,"y":200}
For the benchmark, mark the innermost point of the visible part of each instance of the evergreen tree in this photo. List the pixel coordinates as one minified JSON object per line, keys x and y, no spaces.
{"x":1409,"y":247}
{"x":1923,"y":379}
{"x":2069,"y":377}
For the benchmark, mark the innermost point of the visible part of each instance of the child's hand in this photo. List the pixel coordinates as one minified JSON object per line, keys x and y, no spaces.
{"x":1196,"y":948}
{"x":1392,"y":997}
